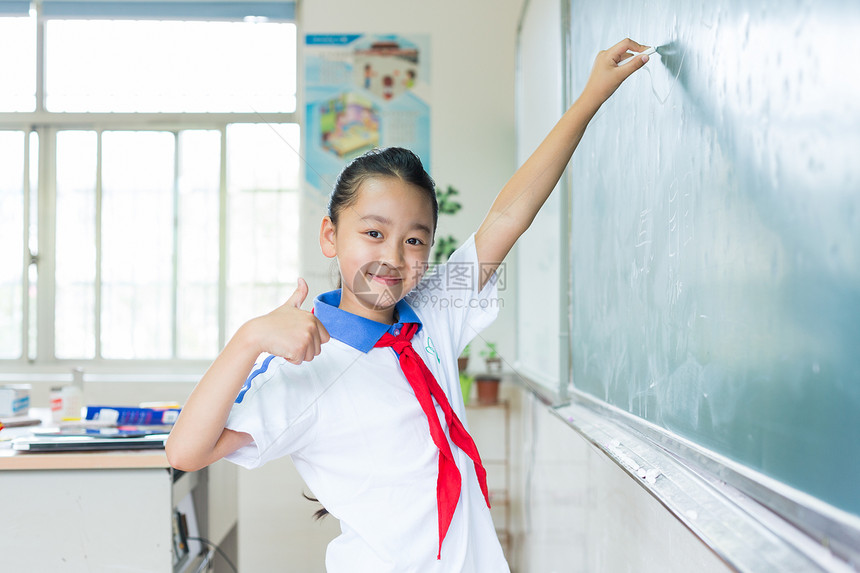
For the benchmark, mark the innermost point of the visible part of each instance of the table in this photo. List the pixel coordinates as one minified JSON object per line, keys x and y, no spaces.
{"x":108,"y":511}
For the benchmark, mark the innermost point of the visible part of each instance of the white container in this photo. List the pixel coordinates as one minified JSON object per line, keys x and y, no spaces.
{"x":14,"y":400}
{"x":65,"y":403}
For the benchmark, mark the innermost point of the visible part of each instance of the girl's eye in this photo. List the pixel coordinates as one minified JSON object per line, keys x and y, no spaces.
{"x":414,"y":241}
{"x":374,"y":234}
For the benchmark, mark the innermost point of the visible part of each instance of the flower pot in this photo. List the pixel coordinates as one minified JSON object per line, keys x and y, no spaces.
{"x":462,"y":363}
{"x":488,"y":389}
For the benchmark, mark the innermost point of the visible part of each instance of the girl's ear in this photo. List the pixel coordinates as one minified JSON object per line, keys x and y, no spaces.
{"x":328,"y":237}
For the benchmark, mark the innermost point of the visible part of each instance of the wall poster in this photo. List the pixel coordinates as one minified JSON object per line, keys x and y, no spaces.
{"x":363,"y":91}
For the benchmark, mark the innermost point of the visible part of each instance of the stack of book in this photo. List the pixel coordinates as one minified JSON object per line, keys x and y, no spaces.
{"x":105,"y":428}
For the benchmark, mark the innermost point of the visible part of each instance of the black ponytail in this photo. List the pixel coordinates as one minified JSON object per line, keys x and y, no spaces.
{"x":321,"y":512}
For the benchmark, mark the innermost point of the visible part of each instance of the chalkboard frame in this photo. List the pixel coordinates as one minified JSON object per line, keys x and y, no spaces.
{"x":835,"y":528}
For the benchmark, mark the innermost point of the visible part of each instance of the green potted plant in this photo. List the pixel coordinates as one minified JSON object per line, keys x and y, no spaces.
{"x":466,"y":382}
{"x":488,"y":383}
{"x":492,"y":359}
{"x":447,"y":206}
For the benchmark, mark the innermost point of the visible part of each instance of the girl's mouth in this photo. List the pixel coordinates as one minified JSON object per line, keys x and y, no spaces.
{"x":386,"y":280}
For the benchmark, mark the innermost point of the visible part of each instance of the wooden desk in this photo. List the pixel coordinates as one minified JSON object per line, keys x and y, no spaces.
{"x":13,"y":460}
{"x":106,"y":511}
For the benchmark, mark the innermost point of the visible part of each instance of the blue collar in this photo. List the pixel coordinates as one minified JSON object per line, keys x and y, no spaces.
{"x":359,"y":332}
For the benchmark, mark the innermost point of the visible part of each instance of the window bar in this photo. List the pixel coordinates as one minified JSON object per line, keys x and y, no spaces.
{"x":33,"y":225}
{"x":28,"y":258}
{"x":44,"y":341}
{"x":40,"y":58}
{"x":222,"y":244}
{"x":174,"y":302}
{"x":47,"y":233}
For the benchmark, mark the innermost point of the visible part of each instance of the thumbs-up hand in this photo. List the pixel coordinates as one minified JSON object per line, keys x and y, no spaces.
{"x":289,"y":331}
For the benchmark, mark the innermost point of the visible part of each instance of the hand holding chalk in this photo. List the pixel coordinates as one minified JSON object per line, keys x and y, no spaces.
{"x":612,"y":67}
{"x":633,"y":56}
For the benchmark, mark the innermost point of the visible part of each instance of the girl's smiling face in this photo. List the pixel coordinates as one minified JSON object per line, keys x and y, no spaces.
{"x":382,"y":243}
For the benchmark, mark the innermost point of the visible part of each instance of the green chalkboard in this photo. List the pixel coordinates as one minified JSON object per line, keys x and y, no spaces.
{"x":715,"y":233}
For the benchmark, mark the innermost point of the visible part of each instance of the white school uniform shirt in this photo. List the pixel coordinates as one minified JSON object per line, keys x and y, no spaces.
{"x":357,"y":435}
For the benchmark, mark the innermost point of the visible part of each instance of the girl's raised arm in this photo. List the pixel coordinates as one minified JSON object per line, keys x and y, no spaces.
{"x":525,"y":193}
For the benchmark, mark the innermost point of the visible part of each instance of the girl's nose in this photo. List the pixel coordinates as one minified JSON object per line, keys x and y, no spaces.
{"x":393,"y":255}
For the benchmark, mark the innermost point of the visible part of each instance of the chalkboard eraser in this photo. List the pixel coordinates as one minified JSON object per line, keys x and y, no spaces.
{"x":634,"y":55}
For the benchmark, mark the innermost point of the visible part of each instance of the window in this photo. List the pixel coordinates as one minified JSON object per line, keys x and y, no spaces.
{"x":192,"y":67}
{"x":148,"y":178}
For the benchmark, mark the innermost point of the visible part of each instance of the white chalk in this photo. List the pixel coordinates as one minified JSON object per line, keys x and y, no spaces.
{"x":634,"y":55}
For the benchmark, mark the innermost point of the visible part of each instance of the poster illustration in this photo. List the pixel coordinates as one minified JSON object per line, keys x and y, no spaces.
{"x":363,"y":91}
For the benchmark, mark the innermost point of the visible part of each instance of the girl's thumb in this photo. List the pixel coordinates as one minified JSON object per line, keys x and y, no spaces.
{"x":298,"y":296}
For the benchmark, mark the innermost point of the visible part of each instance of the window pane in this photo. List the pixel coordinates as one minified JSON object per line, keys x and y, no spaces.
{"x":74,"y":324}
{"x":168,"y":66}
{"x":262,"y":173}
{"x":197,"y":271}
{"x":11,"y":243}
{"x":18,"y":64}
{"x":137,"y":244}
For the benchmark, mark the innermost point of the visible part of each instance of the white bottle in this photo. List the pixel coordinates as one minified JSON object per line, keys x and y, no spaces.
{"x":65,"y":403}
{"x":71,"y":403}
